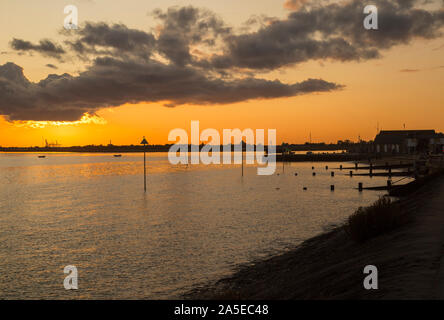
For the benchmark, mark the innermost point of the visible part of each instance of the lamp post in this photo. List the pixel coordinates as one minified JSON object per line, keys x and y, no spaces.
{"x":144,"y":142}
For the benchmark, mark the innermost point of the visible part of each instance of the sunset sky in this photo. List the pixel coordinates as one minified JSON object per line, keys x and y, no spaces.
{"x":143,"y":68}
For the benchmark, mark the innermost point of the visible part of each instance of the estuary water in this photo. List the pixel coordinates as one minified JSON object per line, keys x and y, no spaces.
{"x":195,"y":224}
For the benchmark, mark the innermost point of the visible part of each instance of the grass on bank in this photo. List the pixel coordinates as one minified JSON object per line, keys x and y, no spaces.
{"x":382,"y":216}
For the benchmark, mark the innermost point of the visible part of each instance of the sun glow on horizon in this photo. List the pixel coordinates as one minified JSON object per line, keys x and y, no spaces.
{"x":85,"y":119}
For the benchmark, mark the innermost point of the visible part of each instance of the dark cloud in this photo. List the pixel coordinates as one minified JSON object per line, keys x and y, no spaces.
{"x":183,"y":27}
{"x":193,"y":57}
{"x":334,"y":31}
{"x":50,"y":65}
{"x":111,"y":82}
{"x":45,"y":47}
{"x":257,"y":20}
{"x":117,"y":39}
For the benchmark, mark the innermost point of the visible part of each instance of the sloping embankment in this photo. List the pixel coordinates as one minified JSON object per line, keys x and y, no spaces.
{"x":330,"y":266}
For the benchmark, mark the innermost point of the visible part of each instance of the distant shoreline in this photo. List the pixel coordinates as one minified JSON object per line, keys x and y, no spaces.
{"x":340,"y":156}
{"x":88,"y":149}
{"x":160,"y":148}
{"x":330,"y":265}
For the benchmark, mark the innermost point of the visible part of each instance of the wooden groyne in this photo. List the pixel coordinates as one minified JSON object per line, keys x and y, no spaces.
{"x":380,"y":167}
{"x":384,"y":174}
{"x":319,"y":157}
{"x":405,"y":189}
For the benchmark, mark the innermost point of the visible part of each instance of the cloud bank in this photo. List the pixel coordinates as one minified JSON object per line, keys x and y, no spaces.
{"x":194,"y":57}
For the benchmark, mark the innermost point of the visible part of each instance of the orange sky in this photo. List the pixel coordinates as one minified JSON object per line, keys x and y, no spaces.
{"x":376,"y":91}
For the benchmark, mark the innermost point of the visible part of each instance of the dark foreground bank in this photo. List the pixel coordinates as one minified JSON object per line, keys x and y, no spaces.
{"x":330,"y":266}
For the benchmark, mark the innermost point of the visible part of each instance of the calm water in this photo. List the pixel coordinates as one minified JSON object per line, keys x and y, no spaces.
{"x":194,"y":225}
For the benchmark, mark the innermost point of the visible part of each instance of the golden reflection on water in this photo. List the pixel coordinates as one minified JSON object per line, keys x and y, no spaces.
{"x":193,"y":225}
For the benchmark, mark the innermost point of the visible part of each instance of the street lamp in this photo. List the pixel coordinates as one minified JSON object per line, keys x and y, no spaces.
{"x":144,"y":142}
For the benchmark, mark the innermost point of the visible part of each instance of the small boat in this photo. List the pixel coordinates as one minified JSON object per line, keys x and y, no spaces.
{"x":117,"y":155}
{"x":42,"y":156}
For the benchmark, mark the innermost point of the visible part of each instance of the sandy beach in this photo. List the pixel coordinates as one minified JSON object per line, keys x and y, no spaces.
{"x":330,"y":266}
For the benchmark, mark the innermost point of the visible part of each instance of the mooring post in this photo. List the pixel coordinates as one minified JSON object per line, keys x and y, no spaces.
{"x":144,"y":143}
{"x":144,"y":170}
{"x":283,"y":157}
{"x":389,"y":184}
{"x":360,"y":187}
{"x":242,"y":158}
{"x":351,"y":173}
{"x":332,"y":173}
{"x":356,"y":166}
{"x":332,"y":187}
{"x":340,"y":167}
{"x":314,"y":173}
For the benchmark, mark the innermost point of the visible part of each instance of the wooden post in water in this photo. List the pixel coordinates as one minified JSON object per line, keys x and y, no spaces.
{"x":332,"y":173}
{"x":144,"y":170}
{"x":351,"y":173}
{"x":332,"y":187}
{"x":144,"y":143}
{"x":360,"y":187}
{"x":283,"y":167}
{"x":242,"y":157}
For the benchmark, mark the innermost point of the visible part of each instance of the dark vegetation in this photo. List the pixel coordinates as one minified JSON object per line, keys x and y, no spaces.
{"x":382,"y":216}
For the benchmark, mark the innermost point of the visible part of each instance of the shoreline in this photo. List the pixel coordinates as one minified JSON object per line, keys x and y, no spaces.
{"x":409,"y":259}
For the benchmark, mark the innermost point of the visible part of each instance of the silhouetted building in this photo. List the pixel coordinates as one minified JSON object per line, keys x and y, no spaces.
{"x":409,"y":142}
